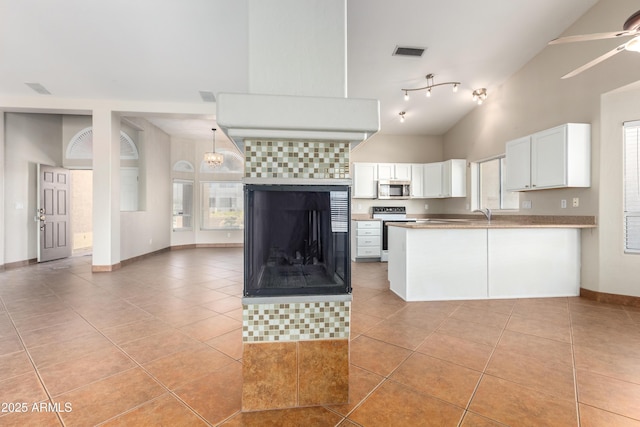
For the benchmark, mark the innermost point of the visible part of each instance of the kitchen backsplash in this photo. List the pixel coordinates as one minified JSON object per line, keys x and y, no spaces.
{"x":297,"y":159}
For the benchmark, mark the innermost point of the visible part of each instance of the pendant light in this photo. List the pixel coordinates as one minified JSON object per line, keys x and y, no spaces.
{"x":212,"y":158}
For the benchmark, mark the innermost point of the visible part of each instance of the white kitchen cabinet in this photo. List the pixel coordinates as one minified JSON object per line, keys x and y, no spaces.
{"x":554,"y":158}
{"x":366,"y":240}
{"x":445,"y":179}
{"x":394,"y":171}
{"x":417,"y":180}
{"x":365,"y":180}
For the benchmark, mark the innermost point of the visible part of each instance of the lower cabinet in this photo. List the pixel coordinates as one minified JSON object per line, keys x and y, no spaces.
{"x":441,"y":264}
{"x":366,"y":240}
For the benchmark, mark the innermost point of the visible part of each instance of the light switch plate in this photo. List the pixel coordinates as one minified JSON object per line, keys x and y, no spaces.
{"x":526,"y":204}
{"x":563,"y":204}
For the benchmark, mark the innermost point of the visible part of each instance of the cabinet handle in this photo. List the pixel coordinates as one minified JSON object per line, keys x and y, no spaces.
{"x":526,"y":186}
{"x":533,"y":185}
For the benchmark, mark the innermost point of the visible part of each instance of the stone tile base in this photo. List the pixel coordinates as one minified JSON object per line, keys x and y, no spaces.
{"x":279,"y":375}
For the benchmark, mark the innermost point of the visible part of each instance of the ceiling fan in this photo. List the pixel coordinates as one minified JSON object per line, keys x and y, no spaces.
{"x":631,"y":27}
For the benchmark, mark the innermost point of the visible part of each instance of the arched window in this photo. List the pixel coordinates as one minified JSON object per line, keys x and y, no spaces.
{"x":183,"y":166}
{"x":81,"y":146}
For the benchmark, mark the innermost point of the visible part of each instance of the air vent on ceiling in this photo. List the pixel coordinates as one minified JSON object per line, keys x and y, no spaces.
{"x":38,"y":88}
{"x":207,"y":96}
{"x":408,"y":51}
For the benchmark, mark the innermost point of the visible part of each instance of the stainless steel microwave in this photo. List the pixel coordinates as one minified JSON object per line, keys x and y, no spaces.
{"x":394,"y":189}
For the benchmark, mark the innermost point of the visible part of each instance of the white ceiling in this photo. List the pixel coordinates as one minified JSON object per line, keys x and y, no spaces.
{"x":168,"y":51}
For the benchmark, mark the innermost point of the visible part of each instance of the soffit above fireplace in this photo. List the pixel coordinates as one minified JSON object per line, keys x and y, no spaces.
{"x":283,"y":117}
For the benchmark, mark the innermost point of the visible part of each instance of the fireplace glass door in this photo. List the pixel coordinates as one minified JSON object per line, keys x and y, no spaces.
{"x":297,"y":240}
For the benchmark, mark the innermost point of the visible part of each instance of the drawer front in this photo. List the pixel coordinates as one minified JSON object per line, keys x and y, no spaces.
{"x":368,"y":241}
{"x":371,"y":251}
{"x":367,"y":224}
{"x":368,"y":232}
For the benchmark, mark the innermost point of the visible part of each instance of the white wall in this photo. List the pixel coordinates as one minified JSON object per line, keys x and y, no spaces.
{"x":535,"y":98}
{"x":29,"y":139}
{"x":149,"y":229}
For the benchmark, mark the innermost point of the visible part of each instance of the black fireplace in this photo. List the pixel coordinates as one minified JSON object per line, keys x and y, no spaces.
{"x":296,"y":240}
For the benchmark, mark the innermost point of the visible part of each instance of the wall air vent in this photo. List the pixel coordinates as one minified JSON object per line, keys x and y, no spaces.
{"x":207,"y":96}
{"x":38,"y":88}
{"x":408,"y":51}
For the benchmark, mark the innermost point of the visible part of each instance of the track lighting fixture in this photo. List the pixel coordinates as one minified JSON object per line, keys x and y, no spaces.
{"x":402,"y":113}
{"x":430,"y":85}
{"x":479,"y":95}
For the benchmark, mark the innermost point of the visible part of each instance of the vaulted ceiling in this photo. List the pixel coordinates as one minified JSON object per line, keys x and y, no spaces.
{"x":168,"y":51}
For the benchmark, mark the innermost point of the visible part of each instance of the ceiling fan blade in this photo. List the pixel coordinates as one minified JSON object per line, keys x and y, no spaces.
{"x":595,"y":61}
{"x":595,"y":36}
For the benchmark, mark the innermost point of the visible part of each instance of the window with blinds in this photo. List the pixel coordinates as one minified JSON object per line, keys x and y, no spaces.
{"x":632,"y":187}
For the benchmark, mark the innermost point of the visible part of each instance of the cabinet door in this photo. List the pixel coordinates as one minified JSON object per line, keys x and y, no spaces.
{"x":417,"y":181}
{"x":365,"y":176}
{"x":403,"y":171}
{"x":433,"y":180}
{"x":549,"y":158}
{"x":457,"y":178}
{"x":518,"y":157}
{"x":385,"y":171}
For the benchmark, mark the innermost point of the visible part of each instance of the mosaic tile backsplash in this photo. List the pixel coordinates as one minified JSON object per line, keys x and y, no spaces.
{"x":296,"y":159}
{"x":295,"y":321}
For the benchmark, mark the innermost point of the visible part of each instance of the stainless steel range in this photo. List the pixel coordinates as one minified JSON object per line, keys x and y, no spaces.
{"x":389,"y":214}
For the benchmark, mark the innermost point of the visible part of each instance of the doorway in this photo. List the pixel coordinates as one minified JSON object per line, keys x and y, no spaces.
{"x":82,"y":211}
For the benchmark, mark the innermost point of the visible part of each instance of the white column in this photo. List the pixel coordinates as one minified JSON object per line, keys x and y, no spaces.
{"x":298,"y":47}
{"x":106,"y":190}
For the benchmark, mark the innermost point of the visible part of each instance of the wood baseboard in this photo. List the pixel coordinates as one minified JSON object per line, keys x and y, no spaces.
{"x":18,"y":264}
{"x":105,"y":268}
{"x":610,"y":298}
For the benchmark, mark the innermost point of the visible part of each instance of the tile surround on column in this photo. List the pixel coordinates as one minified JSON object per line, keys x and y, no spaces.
{"x":297,"y":159}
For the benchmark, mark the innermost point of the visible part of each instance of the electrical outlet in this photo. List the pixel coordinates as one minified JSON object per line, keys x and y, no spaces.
{"x":576,"y":202}
{"x":563,"y":204}
{"x":426,"y":206}
{"x":526,"y":204}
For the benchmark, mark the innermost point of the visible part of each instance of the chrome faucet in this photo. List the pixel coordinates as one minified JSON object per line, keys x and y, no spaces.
{"x":486,"y":212}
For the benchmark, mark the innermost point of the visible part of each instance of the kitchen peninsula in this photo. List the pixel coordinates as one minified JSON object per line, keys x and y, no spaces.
{"x":442,"y":259}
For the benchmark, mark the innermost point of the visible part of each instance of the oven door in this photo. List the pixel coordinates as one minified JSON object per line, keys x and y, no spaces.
{"x":385,"y":236}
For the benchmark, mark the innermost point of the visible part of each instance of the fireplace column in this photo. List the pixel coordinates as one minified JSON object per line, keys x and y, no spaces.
{"x":296,"y":347}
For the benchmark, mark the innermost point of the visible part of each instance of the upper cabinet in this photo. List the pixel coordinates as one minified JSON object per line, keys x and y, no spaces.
{"x":417,"y":180}
{"x":445,"y":179}
{"x":394,"y":171}
{"x":554,"y":158}
{"x":428,"y":181}
{"x":365,"y":180}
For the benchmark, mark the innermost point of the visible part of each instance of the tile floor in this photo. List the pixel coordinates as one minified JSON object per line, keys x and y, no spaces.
{"x":158,"y":343}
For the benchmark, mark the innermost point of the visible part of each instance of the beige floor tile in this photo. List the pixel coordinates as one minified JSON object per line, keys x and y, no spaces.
{"x":110,"y":397}
{"x":609,"y":394}
{"x":216,"y":396}
{"x":513,"y":404}
{"x":447,"y":381}
{"x":376,"y":356}
{"x":393,"y":404}
{"x":482,"y":334}
{"x":185,"y":366}
{"x":457,"y":350}
{"x":594,"y":417}
{"x":163,"y":411}
{"x":544,"y":376}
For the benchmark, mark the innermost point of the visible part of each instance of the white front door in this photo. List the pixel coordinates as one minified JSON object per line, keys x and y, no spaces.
{"x":54,"y":217}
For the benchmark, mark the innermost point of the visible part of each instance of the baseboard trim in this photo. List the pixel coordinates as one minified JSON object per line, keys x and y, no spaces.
{"x":610,"y":298}
{"x":18,"y":264}
{"x":105,"y":268}
{"x":207,"y":245}
{"x":143,"y":256}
